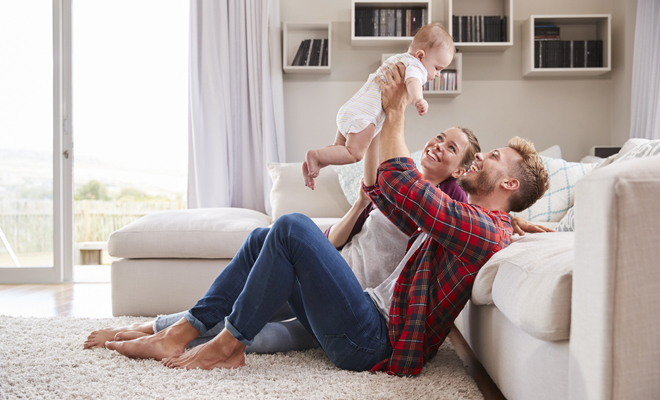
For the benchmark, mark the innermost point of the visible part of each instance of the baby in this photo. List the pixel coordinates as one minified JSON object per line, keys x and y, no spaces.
{"x":361,"y":118}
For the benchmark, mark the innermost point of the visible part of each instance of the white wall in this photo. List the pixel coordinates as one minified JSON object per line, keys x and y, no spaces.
{"x":496,"y":103}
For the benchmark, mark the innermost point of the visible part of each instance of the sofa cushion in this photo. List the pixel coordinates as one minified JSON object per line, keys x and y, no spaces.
{"x":532,"y":286}
{"x":195,"y":233}
{"x":289,"y":193}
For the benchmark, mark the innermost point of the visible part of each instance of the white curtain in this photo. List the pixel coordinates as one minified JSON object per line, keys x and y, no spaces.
{"x":645,"y":97}
{"x":235,"y":102}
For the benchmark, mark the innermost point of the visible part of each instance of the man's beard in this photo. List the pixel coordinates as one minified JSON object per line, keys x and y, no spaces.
{"x":483,"y":185}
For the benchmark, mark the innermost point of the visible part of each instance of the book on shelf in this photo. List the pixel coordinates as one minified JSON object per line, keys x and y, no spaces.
{"x":389,"y":22}
{"x":479,"y":28}
{"x":568,"y":53}
{"x":447,"y":81}
{"x":311,"y":53}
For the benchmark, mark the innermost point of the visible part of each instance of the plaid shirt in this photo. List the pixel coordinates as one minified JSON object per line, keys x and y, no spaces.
{"x":436,"y":283}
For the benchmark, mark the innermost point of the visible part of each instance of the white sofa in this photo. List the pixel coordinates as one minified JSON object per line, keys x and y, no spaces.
{"x":562,"y":315}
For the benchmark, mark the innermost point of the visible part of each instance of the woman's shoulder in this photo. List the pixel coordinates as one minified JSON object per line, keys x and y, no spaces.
{"x":451,"y":188}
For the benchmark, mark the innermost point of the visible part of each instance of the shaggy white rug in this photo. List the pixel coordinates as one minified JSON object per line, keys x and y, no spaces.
{"x":43,"y":358}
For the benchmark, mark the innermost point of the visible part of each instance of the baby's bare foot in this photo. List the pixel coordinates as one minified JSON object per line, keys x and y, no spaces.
{"x":310,"y":182}
{"x":313,"y":165}
{"x":98,"y":338}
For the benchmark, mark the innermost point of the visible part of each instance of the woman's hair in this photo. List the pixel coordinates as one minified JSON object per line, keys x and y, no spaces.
{"x":472,"y":149}
{"x":431,"y":36}
{"x":531,"y":174}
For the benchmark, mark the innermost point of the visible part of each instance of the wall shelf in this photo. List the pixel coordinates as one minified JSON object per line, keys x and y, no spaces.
{"x":482,"y":8}
{"x":456,"y":64}
{"x":385,"y":4}
{"x":293,"y":35}
{"x":572,"y":27}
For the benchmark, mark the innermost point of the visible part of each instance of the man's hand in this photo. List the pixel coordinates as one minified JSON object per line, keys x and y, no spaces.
{"x":394,"y":93}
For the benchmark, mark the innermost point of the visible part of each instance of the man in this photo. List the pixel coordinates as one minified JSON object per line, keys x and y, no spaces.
{"x":399,"y":325}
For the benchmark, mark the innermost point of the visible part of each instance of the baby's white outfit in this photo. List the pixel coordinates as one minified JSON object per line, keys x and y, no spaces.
{"x":365,"y":106}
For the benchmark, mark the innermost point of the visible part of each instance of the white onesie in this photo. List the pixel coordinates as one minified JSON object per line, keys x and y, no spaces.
{"x":365,"y":106}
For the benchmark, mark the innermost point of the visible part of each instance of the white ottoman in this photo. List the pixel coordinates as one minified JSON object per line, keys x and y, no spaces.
{"x":170,"y":258}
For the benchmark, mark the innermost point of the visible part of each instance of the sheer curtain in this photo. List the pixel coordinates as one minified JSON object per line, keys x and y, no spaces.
{"x":645,"y":102}
{"x":235,"y":102}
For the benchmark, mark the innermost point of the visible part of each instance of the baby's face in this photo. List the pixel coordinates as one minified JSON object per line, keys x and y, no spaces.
{"x":436,"y":60}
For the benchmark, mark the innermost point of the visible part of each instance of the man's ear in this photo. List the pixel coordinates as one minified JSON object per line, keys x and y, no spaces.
{"x":420,"y":54}
{"x":458,"y":173}
{"x":510,"y":184}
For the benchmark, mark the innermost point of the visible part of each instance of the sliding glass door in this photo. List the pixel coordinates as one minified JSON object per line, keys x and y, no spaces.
{"x":34,"y":140}
{"x":128,"y":86}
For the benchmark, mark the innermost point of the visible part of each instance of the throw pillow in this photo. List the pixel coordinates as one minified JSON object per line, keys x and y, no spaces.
{"x":567,"y":223}
{"x":289,"y":193}
{"x":652,"y":148}
{"x":552,"y":151}
{"x":559,"y":198}
{"x":351,"y":174}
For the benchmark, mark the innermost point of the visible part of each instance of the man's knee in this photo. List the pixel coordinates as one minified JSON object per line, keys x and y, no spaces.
{"x":292,"y":222}
{"x":257,"y":236}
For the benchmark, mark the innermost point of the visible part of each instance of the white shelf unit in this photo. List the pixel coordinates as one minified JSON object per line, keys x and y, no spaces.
{"x":385,"y":40}
{"x":481,"y":7}
{"x":293,"y":34}
{"x":456,"y":63}
{"x":572,"y":27}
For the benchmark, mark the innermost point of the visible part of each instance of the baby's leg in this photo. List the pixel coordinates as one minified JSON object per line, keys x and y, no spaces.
{"x":345,"y":151}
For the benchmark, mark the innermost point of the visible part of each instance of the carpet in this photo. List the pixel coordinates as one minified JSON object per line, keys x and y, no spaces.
{"x":43,"y":358}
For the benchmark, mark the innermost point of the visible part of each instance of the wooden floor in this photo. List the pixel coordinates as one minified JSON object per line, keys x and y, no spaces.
{"x":92,"y":300}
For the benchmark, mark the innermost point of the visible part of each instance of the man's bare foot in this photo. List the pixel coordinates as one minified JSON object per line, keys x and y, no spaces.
{"x":98,"y":338}
{"x":309,"y":181}
{"x":169,"y":342}
{"x":224,"y":351}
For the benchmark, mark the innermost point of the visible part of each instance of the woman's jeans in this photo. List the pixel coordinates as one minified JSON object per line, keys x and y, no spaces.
{"x":294,"y":262}
{"x":282,"y":333}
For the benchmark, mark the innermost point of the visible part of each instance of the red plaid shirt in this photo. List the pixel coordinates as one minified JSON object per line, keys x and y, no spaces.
{"x":436,"y":283}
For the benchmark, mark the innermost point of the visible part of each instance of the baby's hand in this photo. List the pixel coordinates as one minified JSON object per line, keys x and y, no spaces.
{"x":422,"y":106}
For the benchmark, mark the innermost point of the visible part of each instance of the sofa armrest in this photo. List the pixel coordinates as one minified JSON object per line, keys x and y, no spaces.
{"x":615,"y":318}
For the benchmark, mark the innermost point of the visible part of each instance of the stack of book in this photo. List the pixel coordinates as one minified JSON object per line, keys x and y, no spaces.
{"x":479,"y":28}
{"x":312,"y":53}
{"x":446,"y":81}
{"x":389,"y":21}
{"x":568,"y":54}
{"x":551,"y":52}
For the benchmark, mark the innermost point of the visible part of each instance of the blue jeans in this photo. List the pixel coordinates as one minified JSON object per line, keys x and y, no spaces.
{"x":283,"y":333}
{"x":294,"y":262}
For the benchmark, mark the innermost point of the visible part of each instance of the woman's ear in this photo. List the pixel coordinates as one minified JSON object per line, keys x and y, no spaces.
{"x":458,"y":173}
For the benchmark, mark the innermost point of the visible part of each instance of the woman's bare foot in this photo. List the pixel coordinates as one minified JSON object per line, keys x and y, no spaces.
{"x":169,"y":342}
{"x":129,"y":335}
{"x":224,"y":351}
{"x":98,"y":338}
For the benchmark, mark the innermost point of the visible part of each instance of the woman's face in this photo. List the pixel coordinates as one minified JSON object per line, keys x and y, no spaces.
{"x":443,"y":155}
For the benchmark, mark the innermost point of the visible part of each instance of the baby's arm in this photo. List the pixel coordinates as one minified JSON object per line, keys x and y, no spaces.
{"x":414,"y":87}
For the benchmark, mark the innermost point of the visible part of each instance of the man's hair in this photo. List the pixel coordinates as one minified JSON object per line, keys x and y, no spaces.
{"x":531,"y":174}
{"x":431,"y":36}
{"x":472,"y":149}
